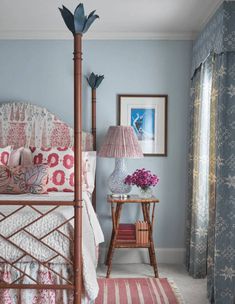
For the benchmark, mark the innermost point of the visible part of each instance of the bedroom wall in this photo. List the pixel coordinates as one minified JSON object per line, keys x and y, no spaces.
{"x":41,"y":72}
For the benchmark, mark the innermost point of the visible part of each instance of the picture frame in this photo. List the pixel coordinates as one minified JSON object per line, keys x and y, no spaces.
{"x":147,"y":114}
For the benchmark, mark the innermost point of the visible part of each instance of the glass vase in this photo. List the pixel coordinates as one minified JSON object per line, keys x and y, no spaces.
{"x":146,"y":192}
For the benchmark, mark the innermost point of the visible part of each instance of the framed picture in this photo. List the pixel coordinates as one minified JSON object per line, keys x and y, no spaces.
{"x":147,"y":114}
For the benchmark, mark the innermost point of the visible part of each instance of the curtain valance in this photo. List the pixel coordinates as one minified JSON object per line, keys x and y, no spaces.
{"x":218,"y":36}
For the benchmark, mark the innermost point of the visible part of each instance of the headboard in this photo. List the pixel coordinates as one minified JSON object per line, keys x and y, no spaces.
{"x":24,"y":124}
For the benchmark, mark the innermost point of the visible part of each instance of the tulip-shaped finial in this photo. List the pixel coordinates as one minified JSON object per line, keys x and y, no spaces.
{"x":95,"y":80}
{"x":78,"y":23}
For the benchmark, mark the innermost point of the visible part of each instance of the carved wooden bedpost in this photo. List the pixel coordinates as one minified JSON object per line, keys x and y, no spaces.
{"x":78,"y":24}
{"x":93,"y":126}
{"x":78,"y":167}
{"x":94,"y":81}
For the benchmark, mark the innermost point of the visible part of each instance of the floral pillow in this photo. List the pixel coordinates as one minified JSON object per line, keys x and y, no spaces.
{"x":4,"y":155}
{"x":61,"y":167}
{"x":28,"y":179}
{"x":61,"y":171}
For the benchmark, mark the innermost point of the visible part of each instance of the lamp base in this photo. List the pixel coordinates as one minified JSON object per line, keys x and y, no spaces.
{"x":116,"y":179}
{"x":121,"y":196}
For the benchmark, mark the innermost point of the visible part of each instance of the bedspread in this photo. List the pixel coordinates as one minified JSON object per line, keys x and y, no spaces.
{"x":59,"y":240}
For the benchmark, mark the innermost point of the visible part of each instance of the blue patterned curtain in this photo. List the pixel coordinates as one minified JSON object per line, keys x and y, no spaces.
{"x":221,"y":251}
{"x":217,"y":37}
{"x":198,"y":207}
{"x":211,"y":210}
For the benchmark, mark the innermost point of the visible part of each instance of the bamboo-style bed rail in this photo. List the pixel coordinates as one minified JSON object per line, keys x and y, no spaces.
{"x":77,"y":168}
{"x":77,"y":204}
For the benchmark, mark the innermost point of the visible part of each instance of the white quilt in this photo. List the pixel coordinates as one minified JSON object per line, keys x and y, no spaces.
{"x":92,"y":235}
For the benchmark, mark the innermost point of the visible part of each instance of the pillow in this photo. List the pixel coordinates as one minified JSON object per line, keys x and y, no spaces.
{"x":61,"y":171}
{"x":61,"y":167}
{"x":89,"y":167}
{"x":14,"y":158}
{"x":26,"y":157}
{"x":4,"y":155}
{"x":28,"y":179}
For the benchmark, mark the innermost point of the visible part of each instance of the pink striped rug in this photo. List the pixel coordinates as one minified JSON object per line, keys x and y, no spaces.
{"x":137,"y":291}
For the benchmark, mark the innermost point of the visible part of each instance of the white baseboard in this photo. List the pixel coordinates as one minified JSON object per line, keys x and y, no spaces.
{"x":129,"y":256}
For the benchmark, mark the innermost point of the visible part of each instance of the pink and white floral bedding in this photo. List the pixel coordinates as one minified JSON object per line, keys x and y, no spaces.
{"x":25,"y":125}
{"x":92,"y":235}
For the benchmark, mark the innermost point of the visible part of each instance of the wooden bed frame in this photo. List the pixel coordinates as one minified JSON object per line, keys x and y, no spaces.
{"x":76,"y":285}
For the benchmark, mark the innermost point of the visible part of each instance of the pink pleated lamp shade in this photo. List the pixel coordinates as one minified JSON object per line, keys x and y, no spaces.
{"x":120,"y":142}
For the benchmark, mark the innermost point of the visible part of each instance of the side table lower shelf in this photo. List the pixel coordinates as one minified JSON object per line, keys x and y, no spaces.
{"x":133,"y":236}
{"x":120,"y":244}
{"x":131,"y":244}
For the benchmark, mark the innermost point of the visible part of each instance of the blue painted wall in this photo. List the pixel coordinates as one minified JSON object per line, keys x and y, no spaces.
{"x":41,"y":72}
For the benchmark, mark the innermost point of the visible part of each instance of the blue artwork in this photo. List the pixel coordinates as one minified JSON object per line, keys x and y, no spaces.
{"x":143,"y":122}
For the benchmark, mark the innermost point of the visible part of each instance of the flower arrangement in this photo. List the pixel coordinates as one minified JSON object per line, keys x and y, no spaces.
{"x":142,"y":178}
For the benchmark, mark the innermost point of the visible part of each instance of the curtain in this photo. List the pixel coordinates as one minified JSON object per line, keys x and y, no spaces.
{"x":198,"y":208}
{"x":211,"y":209}
{"x":221,"y":249}
{"x":210,"y":233}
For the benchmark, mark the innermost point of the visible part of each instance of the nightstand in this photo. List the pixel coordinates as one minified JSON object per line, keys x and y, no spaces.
{"x":117,"y":241}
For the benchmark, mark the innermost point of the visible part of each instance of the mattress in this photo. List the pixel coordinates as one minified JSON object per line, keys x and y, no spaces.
{"x":59,"y":240}
{"x":50,"y":196}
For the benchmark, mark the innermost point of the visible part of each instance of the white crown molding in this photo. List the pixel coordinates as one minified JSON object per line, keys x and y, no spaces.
{"x":65,"y":35}
{"x":140,"y":36}
{"x":34,"y":35}
{"x":210,"y":14}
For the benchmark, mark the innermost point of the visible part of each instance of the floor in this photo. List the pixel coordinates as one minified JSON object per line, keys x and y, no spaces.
{"x":192,"y":290}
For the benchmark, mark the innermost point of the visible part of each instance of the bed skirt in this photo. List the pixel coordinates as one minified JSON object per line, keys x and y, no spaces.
{"x":42,"y":275}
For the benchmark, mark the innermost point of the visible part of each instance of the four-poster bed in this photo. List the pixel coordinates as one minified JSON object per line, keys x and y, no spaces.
{"x":35,"y":264}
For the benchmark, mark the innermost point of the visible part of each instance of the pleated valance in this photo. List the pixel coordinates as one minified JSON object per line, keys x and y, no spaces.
{"x":218,"y":35}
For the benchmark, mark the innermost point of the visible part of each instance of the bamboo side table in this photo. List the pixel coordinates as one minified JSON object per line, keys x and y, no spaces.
{"x":116,"y":208}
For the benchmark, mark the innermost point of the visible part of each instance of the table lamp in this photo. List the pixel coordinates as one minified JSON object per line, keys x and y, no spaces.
{"x":120,"y":143}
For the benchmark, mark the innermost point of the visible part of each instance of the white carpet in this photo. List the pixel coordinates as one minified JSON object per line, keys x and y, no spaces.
{"x":192,"y":290}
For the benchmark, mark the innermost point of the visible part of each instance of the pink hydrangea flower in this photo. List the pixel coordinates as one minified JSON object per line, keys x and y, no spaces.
{"x":142,"y":178}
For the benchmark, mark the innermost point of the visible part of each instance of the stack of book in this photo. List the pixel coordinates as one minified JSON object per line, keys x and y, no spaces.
{"x":142,"y":232}
{"x":126,"y":232}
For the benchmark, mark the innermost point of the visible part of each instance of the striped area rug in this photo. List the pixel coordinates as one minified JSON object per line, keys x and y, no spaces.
{"x":137,"y":291}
